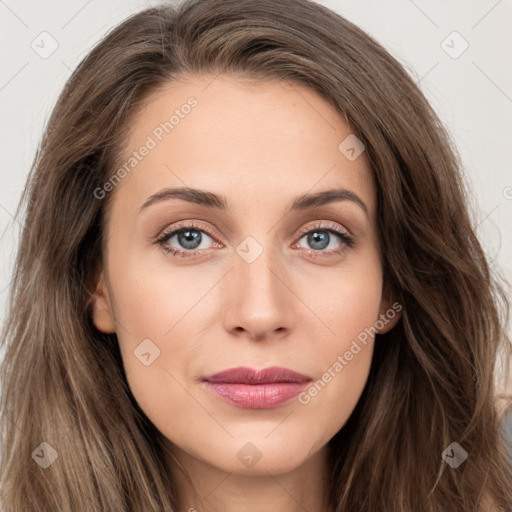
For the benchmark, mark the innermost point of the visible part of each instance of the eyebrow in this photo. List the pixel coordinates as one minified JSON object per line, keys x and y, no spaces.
{"x":219,"y":201}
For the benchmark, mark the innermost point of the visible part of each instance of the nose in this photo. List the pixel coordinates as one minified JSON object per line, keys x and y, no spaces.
{"x":258,"y":302}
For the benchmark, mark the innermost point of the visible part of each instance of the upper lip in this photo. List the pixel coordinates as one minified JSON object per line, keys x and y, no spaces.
{"x":246,"y":375}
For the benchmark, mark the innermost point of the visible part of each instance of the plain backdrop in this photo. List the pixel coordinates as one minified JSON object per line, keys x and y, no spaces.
{"x":456,"y":50}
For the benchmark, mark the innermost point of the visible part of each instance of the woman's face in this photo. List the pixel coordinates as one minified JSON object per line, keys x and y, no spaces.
{"x":261,"y":279}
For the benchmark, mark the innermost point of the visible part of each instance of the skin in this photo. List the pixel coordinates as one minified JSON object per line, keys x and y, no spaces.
{"x":260,"y":145}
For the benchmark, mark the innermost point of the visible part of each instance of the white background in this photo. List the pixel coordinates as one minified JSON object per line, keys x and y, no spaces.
{"x":472,"y":93}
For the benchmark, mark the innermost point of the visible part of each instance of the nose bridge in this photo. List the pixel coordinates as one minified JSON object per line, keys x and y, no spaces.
{"x":258,"y":301}
{"x":254,"y":269}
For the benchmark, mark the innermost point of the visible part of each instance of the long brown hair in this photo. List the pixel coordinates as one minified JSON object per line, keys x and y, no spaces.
{"x":432,"y":380}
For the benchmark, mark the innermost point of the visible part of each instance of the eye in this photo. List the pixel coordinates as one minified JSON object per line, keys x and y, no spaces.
{"x":187,"y":237}
{"x":185,"y":240}
{"x":320,"y":237}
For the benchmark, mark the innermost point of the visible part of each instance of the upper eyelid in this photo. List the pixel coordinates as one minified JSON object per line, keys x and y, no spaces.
{"x":182,"y":226}
{"x":326,"y":225}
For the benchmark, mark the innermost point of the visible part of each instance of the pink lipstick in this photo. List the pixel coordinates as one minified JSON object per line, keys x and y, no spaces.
{"x":252,"y":389}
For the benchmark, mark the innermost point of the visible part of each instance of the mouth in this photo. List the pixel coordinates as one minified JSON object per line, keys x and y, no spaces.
{"x":256,"y":389}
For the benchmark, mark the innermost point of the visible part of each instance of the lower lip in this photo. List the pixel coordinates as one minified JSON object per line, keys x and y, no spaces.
{"x":256,"y":396}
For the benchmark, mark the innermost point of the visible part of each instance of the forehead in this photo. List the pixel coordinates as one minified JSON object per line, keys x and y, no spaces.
{"x":249,"y":140}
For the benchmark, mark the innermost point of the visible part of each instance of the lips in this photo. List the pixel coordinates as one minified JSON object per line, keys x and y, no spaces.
{"x":252,"y":389}
{"x":245,"y":375}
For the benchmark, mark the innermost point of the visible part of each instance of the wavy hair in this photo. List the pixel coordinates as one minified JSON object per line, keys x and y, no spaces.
{"x":433,"y":378}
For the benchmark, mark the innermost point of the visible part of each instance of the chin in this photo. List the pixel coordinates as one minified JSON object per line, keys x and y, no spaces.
{"x":261,"y":456}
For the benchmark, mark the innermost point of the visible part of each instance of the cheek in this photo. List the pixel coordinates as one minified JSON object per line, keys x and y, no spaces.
{"x":150,"y":306}
{"x":152,"y":298}
{"x":159,"y":324}
{"x":346,"y":301}
{"x":350,"y":308}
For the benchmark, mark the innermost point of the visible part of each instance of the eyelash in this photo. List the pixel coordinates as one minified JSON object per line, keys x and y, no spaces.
{"x":346,"y":239}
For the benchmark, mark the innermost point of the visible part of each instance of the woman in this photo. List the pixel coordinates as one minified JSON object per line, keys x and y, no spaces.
{"x":248,"y":281}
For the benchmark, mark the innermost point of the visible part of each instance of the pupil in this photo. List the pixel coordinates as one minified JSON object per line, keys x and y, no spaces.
{"x":190,"y":239}
{"x":318,"y":239}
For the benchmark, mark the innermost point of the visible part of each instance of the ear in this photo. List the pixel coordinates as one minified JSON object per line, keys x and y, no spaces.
{"x":390,"y":311}
{"x":102,"y":313}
